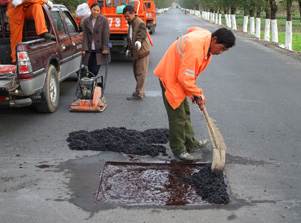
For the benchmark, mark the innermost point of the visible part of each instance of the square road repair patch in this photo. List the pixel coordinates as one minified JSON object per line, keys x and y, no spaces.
{"x":156,"y":184}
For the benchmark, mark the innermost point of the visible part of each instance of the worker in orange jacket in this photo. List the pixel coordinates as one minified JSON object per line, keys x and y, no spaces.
{"x":17,"y":12}
{"x":178,"y":70}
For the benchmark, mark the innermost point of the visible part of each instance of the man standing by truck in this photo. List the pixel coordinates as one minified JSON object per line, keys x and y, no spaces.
{"x":139,"y":49}
{"x":178,"y":70}
{"x":17,"y":12}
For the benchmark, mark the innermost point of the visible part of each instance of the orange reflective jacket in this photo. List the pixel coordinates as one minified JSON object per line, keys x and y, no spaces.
{"x":29,"y":9}
{"x":182,"y":63}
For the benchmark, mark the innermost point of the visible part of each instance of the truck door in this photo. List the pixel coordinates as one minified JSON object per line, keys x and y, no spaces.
{"x":76,"y":40}
{"x":64,"y":42}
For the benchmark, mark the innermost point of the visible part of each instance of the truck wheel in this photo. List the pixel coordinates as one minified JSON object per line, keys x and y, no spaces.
{"x":51,"y":92}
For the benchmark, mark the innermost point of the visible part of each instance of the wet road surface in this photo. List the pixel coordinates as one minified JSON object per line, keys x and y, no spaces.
{"x":252,"y":91}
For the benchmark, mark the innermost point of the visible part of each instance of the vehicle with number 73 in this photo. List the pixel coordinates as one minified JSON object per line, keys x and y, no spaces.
{"x":113,"y":10}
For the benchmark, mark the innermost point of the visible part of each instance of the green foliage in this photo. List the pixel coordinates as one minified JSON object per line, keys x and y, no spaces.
{"x":296,"y":42}
{"x":163,"y":3}
{"x":190,"y":4}
{"x":241,"y":5}
{"x":71,"y":5}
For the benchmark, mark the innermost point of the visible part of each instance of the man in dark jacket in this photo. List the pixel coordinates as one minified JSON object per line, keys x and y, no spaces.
{"x":138,"y":49}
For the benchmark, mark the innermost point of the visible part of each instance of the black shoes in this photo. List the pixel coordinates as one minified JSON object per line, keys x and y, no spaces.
{"x":134,"y":97}
{"x":47,"y":36}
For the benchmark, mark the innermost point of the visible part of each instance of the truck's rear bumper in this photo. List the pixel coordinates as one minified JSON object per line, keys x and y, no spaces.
{"x":7,"y":101}
{"x":11,"y":96}
{"x":118,"y":40}
{"x":34,"y":85}
{"x":24,"y":102}
{"x":150,"y":23}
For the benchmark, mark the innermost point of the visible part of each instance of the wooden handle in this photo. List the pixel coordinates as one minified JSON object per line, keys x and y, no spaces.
{"x":212,"y":133}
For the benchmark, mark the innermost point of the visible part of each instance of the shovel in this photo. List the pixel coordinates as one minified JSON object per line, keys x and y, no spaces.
{"x":218,"y":144}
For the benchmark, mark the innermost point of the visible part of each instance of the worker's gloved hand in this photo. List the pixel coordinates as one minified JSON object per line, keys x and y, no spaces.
{"x":128,"y":54}
{"x":49,"y":4}
{"x":15,"y":3}
{"x":138,"y":45}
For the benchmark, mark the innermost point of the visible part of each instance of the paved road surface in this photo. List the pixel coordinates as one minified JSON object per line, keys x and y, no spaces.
{"x":252,"y":91}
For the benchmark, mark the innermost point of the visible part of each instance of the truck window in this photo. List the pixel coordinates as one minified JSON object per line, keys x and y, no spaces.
{"x":101,"y":2}
{"x":58,"y":22}
{"x":70,"y":25}
{"x":148,"y":5}
{"x":109,"y":3}
{"x":123,"y":2}
{"x":116,"y":3}
{"x":132,"y":3}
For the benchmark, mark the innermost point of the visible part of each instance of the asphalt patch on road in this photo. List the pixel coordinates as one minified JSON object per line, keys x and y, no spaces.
{"x":121,"y":140}
{"x":161,"y":184}
{"x":210,"y":186}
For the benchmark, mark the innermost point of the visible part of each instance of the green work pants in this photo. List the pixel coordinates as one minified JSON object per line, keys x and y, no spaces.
{"x":181,"y":134}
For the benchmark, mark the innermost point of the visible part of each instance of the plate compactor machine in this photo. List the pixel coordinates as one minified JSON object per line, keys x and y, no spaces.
{"x":90,"y":91}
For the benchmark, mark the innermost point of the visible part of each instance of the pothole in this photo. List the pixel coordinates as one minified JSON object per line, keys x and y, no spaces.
{"x":161,"y":184}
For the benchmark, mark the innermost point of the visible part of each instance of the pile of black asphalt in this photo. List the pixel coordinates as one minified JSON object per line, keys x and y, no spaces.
{"x":210,"y":186}
{"x":121,"y":140}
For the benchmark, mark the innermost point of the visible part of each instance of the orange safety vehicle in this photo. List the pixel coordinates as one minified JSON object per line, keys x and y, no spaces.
{"x":151,"y":16}
{"x":117,"y":22}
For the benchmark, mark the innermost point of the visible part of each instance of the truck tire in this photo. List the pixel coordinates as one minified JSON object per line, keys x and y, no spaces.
{"x":50,"y":93}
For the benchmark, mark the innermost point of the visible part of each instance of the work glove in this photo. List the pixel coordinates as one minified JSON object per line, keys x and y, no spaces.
{"x":138,"y":45}
{"x":15,"y":3}
{"x":49,"y":4}
{"x":128,"y":54}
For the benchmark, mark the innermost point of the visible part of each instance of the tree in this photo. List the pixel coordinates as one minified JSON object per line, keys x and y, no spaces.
{"x":259,"y":5}
{"x":245,"y":6}
{"x":71,"y":5}
{"x":189,"y":4}
{"x":274,"y":9}
{"x":163,"y":3}
{"x":300,"y":9}
{"x":252,"y":16}
{"x":289,"y":25}
{"x":267,"y":20}
{"x":233,"y":8}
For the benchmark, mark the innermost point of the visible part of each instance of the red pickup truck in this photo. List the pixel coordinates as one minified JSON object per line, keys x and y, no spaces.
{"x":41,"y":64}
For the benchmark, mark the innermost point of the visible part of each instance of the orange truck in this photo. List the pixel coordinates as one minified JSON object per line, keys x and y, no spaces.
{"x":117,"y":22}
{"x":151,"y":16}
